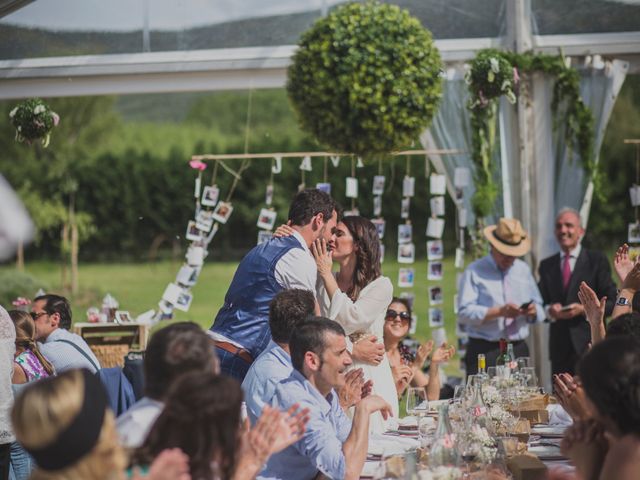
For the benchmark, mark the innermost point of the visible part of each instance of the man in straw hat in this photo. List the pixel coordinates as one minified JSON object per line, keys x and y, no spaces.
{"x":498,"y":296}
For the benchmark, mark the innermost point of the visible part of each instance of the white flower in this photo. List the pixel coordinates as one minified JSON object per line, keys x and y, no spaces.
{"x":495,"y":66}
{"x":38,"y":109}
{"x":12,"y":113}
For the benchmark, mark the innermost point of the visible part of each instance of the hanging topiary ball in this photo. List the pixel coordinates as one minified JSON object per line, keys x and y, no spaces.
{"x":491,"y":75}
{"x":366,"y":79}
{"x":33,"y":120}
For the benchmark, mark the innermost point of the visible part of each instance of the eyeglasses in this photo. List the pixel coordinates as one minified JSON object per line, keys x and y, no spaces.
{"x":392,"y":315}
{"x":36,"y":316}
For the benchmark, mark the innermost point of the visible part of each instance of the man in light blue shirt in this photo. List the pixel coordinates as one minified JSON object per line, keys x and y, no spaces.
{"x":287,"y":310}
{"x":332,"y":444}
{"x":498,"y":296}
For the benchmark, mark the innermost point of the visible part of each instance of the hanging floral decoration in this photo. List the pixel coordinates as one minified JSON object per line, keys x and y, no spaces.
{"x":33,"y":120}
{"x":494,"y":73}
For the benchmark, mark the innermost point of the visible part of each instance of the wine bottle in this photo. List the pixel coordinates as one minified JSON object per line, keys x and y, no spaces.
{"x":482,"y":364}
{"x":502,"y":358}
{"x":443,"y":452}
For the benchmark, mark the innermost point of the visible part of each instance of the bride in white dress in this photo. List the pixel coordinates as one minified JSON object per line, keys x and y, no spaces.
{"x":357,"y":297}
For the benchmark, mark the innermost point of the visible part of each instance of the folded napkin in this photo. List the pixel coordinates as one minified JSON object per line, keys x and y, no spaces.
{"x":558,"y":415}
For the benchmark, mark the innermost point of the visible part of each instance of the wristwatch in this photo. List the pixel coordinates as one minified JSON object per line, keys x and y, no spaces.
{"x":623,"y":302}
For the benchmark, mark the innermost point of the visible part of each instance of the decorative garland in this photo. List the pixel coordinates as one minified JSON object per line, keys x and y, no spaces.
{"x":33,"y":120}
{"x":495,"y":73}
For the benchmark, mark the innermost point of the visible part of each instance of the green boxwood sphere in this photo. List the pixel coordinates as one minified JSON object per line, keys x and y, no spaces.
{"x":366,"y":79}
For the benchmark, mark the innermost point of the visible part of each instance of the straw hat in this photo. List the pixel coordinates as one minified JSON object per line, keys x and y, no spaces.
{"x":508,"y":237}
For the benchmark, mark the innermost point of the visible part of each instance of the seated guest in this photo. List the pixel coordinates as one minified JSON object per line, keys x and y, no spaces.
{"x":406,"y":365}
{"x":333,"y":445}
{"x":287,"y":310}
{"x":610,"y":373}
{"x":65,"y":350}
{"x":29,"y":363}
{"x":172,"y":351}
{"x":64,"y":422}
{"x":202,"y":418}
{"x":7,"y":351}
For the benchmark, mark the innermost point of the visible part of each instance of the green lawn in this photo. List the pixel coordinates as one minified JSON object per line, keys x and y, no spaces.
{"x":138,"y":287}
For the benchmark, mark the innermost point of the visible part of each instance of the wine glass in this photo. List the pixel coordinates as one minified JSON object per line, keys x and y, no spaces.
{"x":469,"y":452}
{"x":523,"y":362}
{"x":492,"y":372}
{"x":530,"y":378}
{"x":417,"y":403}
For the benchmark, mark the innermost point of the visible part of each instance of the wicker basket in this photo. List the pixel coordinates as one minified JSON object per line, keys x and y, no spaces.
{"x":110,"y":355}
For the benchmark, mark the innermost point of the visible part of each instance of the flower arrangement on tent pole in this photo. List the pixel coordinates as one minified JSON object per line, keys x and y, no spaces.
{"x":33,"y":120}
{"x":366,"y":79}
{"x":495,"y":73}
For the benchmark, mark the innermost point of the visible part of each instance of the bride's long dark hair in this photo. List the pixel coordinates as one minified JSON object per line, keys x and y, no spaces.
{"x":365,"y":237}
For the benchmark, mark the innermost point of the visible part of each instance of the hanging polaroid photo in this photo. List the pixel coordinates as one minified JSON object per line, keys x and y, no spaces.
{"x":434,"y":271}
{"x":123,"y":317}
{"x":204,"y":220}
{"x":166,"y":308}
{"x":439,"y":334}
{"x":455,"y":303}
{"x":408,"y":186}
{"x":634,"y":253}
{"x":222,"y":212}
{"x":267,"y":219}
{"x":378,"y":185}
{"x":461,"y":177}
{"x":194,"y":233}
{"x":405,"y":277}
{"x":324,"y":187}
{"x":171,"y":293}
{"x":377,"y":205}
{"x":409,"y":297}
{"x":380,"y":224}
{"x":634,"y":233}
{"x":354,"y":212}
{"x":264,"y":236}
{"x":404,"y":208}
{"x":268,"y":196}
{"x":414,"y":324}
{"x":210,"y":196}
{"x":381,"y":252}
{"x":634,"y":194}
{"x":406,"y":253}
{"x":459,"y":261}
{"x":437,"y":206}
{"x":435,"y":295}
{"x":184,"y":301}
{"x":462,"y":217}
{"x":435,"y":250}
{"x":435,"y":227}
{"x":305,"y":165}
{"x":405,"y":233}
{"x":195,"y":256}
{"x":459,"y":195}
{"x":437,"y":184}
{"x":436,"y":320}
{"x":352,"y":187}
{"x":187,"y":275}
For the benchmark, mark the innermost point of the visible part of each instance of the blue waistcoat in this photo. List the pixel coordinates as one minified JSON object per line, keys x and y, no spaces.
{"x":244,"y":317}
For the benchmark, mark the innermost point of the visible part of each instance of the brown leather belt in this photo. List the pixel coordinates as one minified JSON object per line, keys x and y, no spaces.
{"x":234,"y":350}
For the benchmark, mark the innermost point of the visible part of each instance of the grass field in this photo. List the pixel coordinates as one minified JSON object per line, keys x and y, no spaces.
{"x":138,"y":287}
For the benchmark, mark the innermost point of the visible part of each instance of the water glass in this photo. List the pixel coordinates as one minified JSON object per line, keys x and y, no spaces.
{"x":417,"y":403}
{"x":529,"y":376}
{"x":523,"y":362}
{"x":492,"y":372}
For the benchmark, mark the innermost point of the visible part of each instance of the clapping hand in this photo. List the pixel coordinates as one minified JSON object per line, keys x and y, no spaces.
{"x":632,"y":280}
{"x":443,"y":353}
{"x":571,"y":396}
{"x":351,"y":392}
{"x":622,"y":263}
{"x":593,"y":308}
{"x":423,"y":353}
{"x":171,"y":464}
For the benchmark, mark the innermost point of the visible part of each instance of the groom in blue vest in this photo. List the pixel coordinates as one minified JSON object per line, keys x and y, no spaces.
{"x":241,"y":328}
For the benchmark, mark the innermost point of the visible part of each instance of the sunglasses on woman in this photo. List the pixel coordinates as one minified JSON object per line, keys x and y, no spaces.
{"x":392,"y":315}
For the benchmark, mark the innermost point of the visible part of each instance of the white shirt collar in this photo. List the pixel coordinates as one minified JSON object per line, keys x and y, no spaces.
{"x":300,"y":239}
{"x":575,"y":253}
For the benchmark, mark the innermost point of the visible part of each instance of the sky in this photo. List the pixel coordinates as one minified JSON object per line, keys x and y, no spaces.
{"x":123,"y":15}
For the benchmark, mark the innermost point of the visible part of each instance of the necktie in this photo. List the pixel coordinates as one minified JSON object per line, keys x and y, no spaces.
{"x":566,"y":272}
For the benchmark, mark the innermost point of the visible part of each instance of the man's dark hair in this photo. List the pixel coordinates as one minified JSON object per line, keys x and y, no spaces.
{"x":310,"y":202}
{"x":57,"y":304}
{"x":287,"y":310}
{"x":311,"y":337}
{"x":625,"y":325}
{"x":610,"y":374}
{"x":173,"y":351}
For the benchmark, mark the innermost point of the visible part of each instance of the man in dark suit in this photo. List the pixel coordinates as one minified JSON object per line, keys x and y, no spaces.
{"x":560,"y":277}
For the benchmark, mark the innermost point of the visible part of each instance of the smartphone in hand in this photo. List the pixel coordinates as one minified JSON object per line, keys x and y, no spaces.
{"x":566,"y":308}
{"x":524,"y":306}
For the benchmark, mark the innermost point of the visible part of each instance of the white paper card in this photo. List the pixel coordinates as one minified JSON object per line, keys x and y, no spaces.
{"x":437,"y":184}
{"x":359,"y":163}
{"x":634,"y":193}
{"x":408,"y":186}
{"x":404,"y":207}
{"x":406,"y":253}
{"x":266,"y":219}
{"x":405,"y":232}
{"x":435,"y":227}
{"x":435,"y":250}
{"x":434,"y":270}
{"x":324,"y":187}
{"x":171,"y":293}
{"x":439,"y":335}
{"x":187,"y":275}
{"x":435,"y":295}
{"x":461,"y":177}
{"x":436,"y":320}
{"x":437,"y":206}
{"x":378,"y":185}
{"x":634,"y":233}
{"x":462,"y":217}
{"x":196,"y":190}
{"x":380,"y":226}
{"x":306,"y":164}
{"x":377,"y":205}
{"x":352,"y":187}
{"x":268,"y":195}
{"x":459,"y":261}
{"x":195,"y":256}
{"x":210,"y":196}
{"x":335,"y":160}
{"x":405,"y":277}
